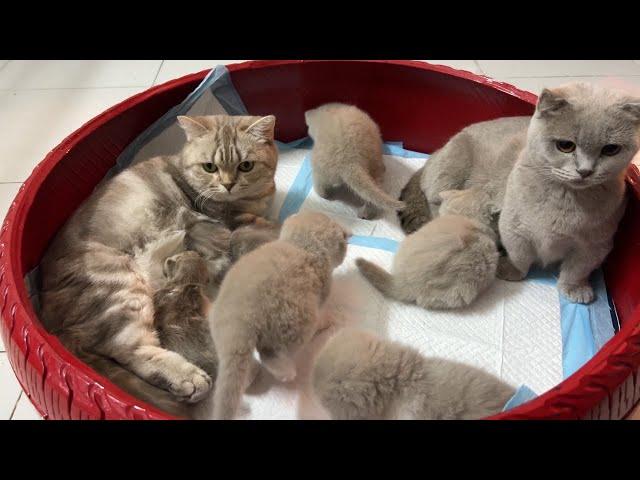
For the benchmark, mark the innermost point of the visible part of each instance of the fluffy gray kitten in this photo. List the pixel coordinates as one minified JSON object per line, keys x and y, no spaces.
{"x":566,"y":193}
{"x":181,"y":310}
{"x":269,"y":301}
{"x":358,"y":376}
{"x":448,"y":262}
{"x":347,"y":152}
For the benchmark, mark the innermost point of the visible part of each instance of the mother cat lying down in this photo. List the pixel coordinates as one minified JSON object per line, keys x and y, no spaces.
{"x":97,"y":298}
{"x":557,"y":178}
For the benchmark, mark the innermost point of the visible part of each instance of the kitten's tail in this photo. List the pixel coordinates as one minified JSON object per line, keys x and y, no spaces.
{"x":378,"y":277}
{"x":135,"y":385}
{"x":361,"y":183}
{"x":233,"y":375}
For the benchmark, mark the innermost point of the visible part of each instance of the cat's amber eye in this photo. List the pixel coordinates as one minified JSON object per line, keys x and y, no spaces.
{"x":565,"y":146}
{"x":245,"y":166}
{"x":610,"y":150}
{"x":209,"y":167}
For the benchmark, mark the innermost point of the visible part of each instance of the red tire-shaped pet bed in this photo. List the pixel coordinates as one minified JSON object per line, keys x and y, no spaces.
{"x":422,"y":104}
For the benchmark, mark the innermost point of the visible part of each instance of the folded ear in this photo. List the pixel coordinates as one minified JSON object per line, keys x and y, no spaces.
{"x":191,"y":127}
{"x":263,"y":128}
{"x":632,"y":109}
{"x":550,"y":103}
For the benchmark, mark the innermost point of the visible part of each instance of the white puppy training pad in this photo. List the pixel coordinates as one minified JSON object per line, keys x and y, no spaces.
{"x":514,"y":330}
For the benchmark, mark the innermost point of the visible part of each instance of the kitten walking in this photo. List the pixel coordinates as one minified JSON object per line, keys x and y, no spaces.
{"x":358,"y":376}
{"x":347,"y":152}
{"x":269,"y":301}
{"x":448,"y":262}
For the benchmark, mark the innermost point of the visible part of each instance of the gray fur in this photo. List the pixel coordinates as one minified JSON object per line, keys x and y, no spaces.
{"x":269,"y":301}
{"x":448,"y":262}
{"x":358,"y":376}
{"x":97,"y":296}
{"x":347,"y":152}
{"x":481,"y":155}
{"x":565,"y":206}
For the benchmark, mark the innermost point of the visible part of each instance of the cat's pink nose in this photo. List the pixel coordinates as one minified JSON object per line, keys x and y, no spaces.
{"x":584,"y":172}
{"x":228,"y":186}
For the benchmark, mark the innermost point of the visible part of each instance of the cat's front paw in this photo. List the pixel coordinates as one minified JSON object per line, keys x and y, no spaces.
{"x":193,"y":386}
{"x":577,"y":293}
{"x":507,"y":271}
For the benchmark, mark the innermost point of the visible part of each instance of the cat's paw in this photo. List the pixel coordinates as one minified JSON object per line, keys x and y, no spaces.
{"x":506,"y":271}
{"x":577,"y":293}
{"x":193,"y":386}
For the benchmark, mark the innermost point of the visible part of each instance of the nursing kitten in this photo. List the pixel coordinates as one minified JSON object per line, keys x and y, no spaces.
{"x":448,"y":262}
{"x":481,"y":155}
{"x":566,"y":194}
{"x":181,"y":310}
{"x":347,"y":152}
{"x":96,"y":296}
{"x":270,"y":300}
{"x":358,"y":376}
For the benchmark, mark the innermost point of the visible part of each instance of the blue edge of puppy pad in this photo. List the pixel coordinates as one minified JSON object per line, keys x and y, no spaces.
{"x":585,"y":328}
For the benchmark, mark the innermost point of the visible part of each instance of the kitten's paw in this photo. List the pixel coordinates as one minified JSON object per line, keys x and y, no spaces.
{"x":577,"y":293}
{"x":194,"y":385}
{"x":506,"y":271}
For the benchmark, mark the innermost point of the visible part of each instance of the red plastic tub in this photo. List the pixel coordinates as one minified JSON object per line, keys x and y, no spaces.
{"x":420,"y":104}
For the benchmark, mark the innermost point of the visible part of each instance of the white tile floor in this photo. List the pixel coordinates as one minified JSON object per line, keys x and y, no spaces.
{"x":43,"y":101}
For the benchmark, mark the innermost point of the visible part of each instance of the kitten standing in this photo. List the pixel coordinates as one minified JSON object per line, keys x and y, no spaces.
{"x":347,"y":152}
{"x":566,"y":194}
{"x":270,"y":301}
{"x":358,"y":376}
{"x":448,"y":262}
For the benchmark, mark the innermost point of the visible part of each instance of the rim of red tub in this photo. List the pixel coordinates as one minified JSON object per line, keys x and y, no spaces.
{"x":89,"y":395}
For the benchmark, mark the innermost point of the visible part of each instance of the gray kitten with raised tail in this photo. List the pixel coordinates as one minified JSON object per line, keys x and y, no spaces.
{"x":269,"y":301}
{"x":347,"y":152}
{"x":566,"y":193}
{"x":358,"y":376}
{"x":448,"y":262}
{"x":96,"y":295}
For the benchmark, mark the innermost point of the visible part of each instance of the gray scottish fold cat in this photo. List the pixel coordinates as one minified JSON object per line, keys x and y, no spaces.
{"x":556,"y":177}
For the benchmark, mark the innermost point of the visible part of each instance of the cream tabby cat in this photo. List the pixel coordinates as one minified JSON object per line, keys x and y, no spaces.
{"x":95,"y":295}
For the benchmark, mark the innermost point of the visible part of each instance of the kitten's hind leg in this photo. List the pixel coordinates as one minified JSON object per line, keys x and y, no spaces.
{"x":280,"y":365}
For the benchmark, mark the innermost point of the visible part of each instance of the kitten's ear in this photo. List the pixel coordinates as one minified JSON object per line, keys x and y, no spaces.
{"x":191,"y":127}
{"x":632,"y":109}
{"x":550,"y":103}
{"x":169,"y":267}
{"x":263,"y":128}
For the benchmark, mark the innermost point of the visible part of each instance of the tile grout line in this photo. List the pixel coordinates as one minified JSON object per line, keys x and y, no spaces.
{"x":477,"y":64}
{"x":157,"y":73}
{"x":16,"y":405}
{"x":10,"y":183}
